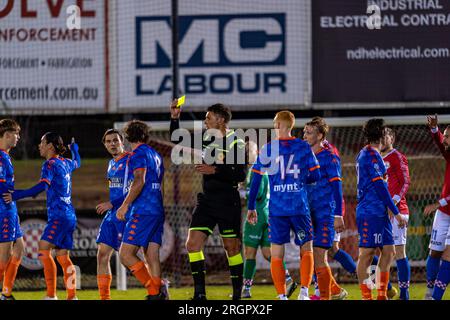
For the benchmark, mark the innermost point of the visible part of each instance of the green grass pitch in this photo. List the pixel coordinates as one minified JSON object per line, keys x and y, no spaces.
{"x":259,"y":292}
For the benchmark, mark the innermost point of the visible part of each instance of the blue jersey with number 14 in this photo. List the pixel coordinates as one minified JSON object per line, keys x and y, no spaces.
{"x":288,"y":162}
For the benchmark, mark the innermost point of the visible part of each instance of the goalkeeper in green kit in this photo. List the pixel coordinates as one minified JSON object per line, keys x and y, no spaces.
{"x":258,"y":235}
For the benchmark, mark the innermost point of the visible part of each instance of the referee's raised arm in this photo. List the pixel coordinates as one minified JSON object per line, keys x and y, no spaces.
{"x":174,"y":118}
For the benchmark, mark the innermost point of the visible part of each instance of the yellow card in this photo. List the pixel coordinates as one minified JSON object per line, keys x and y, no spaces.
{"x":181,"y":101}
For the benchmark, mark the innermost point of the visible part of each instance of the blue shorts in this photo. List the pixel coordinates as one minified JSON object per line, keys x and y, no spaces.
{"x":10,"y":226}
{"x":111,"y":231}
{"x":280,"y":229}
{"x":140,"y":230}
{"x":59,"y":231}
{"x":374,"y":232}
{"x":323,"y":231}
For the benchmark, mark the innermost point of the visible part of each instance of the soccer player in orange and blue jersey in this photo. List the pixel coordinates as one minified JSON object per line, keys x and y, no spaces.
{"x":374,"y":225}
{"x":111,"y":230}
{"x":290,"y":164}
{"x":325,"y":201}
{"x":144,"y":202}
{"x":10,"y":234}
{"x":56,"y":178}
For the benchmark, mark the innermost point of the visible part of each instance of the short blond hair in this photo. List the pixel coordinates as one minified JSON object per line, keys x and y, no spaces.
{"x":287,"y":117}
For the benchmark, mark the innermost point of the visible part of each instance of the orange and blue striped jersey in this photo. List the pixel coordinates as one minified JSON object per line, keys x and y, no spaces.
{"x":288,"y":164}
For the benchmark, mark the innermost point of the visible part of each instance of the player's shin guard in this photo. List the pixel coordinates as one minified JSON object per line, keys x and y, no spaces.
{"x":10,"y":275}
{"x":432,"y":270}
{"x":139,"y":270}
{"x":345,"y":260}
{"x":442,"y":280}
{"x":404,"y":276}
{"x":197,"y":262}
{"x":249,"y":272}
{"x":236,"y":264}
{"x":278,"y":275}
{"x":49,"y":271}
{"x":306,"y":268}
{"x":70,"y":276}
{"x":324,"y":280}
{"x":383,"y":286}
{"x":104,"y":286}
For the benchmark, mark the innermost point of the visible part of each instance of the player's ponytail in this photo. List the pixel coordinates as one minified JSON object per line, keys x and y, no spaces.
{"x":57,"y":142}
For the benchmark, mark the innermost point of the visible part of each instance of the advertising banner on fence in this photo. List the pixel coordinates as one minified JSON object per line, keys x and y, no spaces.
{"x":52,"y":54}
{"x":244,"y":53}
{"x":381,"y":50}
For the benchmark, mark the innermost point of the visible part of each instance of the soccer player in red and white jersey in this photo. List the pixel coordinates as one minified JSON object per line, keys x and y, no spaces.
{"x":438,"y":263}
{"x":398,"y":184}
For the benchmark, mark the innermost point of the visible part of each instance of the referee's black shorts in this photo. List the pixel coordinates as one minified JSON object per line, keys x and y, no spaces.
{"x":223,"y":209}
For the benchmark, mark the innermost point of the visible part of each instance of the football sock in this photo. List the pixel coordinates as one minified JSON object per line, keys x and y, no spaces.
{"x":366,"y":292}
{"x":249,"y":272}
{"x":306,"y":268}
{"x":155,"y":285}
{"x":3,"y":266}
{"x":432,"y":270}
{"x":141,"y":273}
{"x":442,"y":280}
{"x":382,"y":289}
{"x":375,"y":263}
{"x":278,"y":275}
{"x":236,"y":264}
{"x":197,"y":262}
{"x":335,"y":288}
{"x":104,"y":286}
{"x":345,"y":260}
{"x":286,"y":271}
{"x":10,"y":275}
{"x":324,"y":280}
{"x":69,"y":275}
{"x":49,"y":271}
{"x":404,"y":276}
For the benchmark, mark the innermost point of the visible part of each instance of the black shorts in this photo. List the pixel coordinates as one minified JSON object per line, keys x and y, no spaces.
{"x":224,"y":211}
